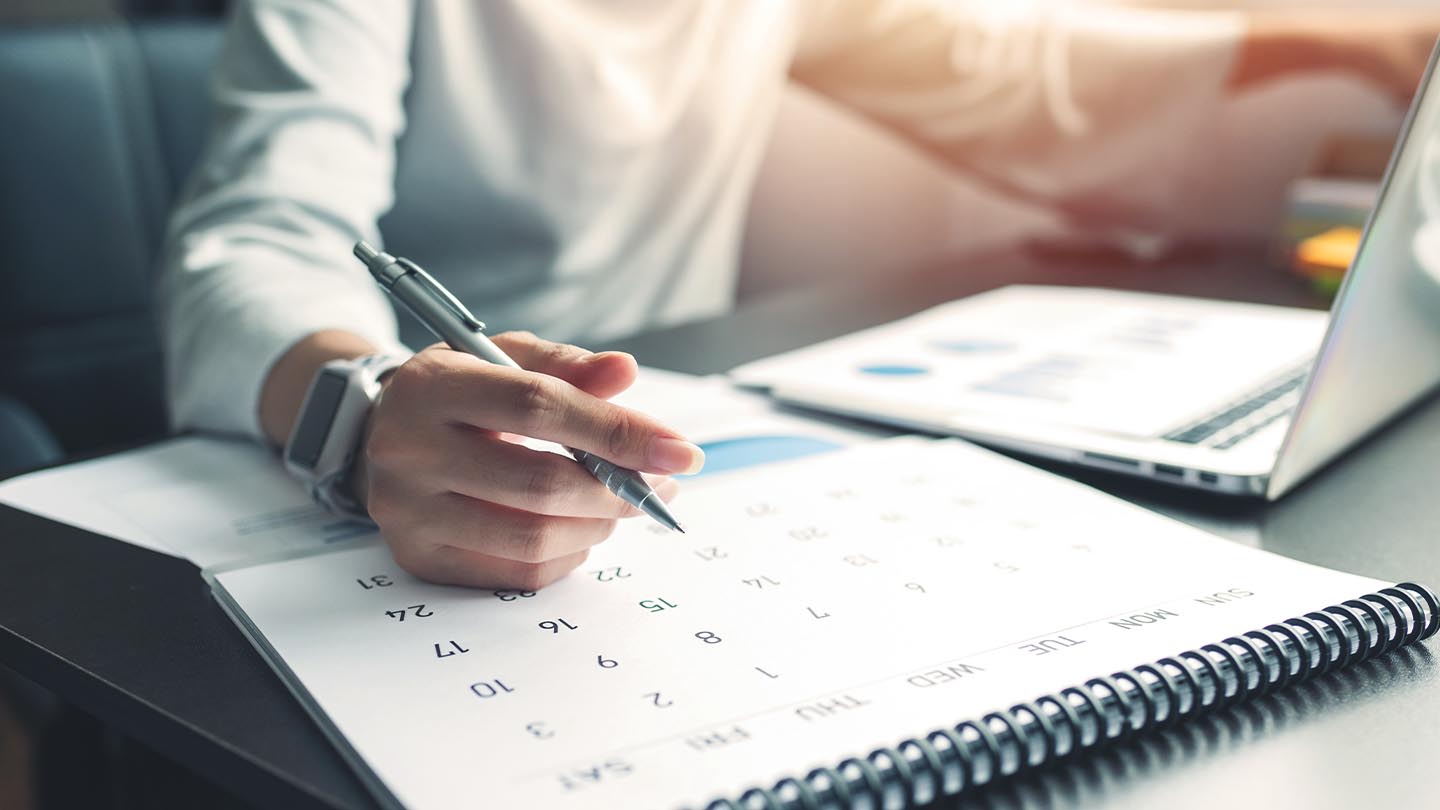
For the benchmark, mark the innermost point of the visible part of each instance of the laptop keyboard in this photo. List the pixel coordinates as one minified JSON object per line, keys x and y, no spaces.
{"x":1239,"y":421}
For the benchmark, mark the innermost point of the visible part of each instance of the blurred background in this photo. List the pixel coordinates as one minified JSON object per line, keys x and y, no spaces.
{"x":108,"y":106}
{"x":23,"y":11}
{"x":106,"y":109}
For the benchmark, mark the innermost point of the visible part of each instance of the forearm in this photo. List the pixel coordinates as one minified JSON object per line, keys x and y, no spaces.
{"x":309,"y":104}
{"x":1388,"y":48}
{"x":289,"y":379}
{"x":1275,"y":45}
{"x":1083,"y":109}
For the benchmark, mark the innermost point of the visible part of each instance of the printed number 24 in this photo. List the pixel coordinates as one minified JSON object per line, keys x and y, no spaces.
{"x":418,"y":611}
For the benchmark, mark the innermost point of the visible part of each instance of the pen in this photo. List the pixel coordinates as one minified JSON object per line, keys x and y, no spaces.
{"x":443,"y":314}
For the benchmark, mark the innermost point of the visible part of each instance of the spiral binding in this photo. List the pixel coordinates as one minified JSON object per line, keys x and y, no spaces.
{"x":967,"y":756}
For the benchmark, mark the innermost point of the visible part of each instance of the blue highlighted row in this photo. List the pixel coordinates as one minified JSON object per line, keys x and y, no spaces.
{"x":894,"y":370}
{"x":734,"y":454}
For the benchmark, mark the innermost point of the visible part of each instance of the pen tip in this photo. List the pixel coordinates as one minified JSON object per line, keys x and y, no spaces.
{"x":655,"y":508}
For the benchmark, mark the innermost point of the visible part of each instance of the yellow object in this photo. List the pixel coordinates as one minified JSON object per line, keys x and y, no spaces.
{"x":1325,"y":257}
{"x":1328,"y":252}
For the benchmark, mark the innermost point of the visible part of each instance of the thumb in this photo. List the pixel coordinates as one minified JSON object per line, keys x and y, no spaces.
{"x":600,"y":374}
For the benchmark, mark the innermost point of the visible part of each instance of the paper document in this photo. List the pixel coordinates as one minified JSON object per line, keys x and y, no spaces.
{"x":1122,"y":363}
{"x":214,"y":501}
{"x":158,"y":495}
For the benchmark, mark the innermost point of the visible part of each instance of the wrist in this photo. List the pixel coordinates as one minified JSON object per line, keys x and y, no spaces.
{"x":328,"y":437}
{"x":356,"y":483}
{"x":289,"y":380}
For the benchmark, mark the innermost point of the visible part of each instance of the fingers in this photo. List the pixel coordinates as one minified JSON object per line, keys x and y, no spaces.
{"x":447,"y":457}
{"x":458,"y":504}
{"x":453,"y":539}
{"x":499,"y":531}
{"x":464,"y":389}
{"x":602,"y":374}
{"x":449,"y":565}
{"x":481,"y":466}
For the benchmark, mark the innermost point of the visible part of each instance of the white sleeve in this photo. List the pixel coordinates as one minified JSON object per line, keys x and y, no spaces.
{"x":1087,"y":108}
{"x":300,"y":163}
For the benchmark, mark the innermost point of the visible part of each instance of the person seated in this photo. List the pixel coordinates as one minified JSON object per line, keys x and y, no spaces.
{"x":596,"y":158}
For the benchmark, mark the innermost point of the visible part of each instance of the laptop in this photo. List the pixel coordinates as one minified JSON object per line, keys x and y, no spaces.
{"x":1235,"y":398}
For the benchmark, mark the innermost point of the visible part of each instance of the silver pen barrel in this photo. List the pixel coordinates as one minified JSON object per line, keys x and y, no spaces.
{"x":437,"y":317}
{"x":450,"y":321}
{"x":629,"y":486}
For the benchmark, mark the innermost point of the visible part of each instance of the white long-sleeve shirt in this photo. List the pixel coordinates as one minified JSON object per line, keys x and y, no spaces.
{"x":580,"y":168}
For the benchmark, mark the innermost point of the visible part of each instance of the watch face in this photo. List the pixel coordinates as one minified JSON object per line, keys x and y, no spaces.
{"x":316,"y":418}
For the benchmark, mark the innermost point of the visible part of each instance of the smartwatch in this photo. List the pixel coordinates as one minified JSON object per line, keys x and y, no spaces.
{"x":327,"y":432}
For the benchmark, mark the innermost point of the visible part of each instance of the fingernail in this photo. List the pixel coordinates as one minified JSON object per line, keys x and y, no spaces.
{"x":675,"y":456}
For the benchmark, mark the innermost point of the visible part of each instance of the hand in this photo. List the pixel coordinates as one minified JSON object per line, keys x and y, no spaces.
{"x":1390,"y":48}
{"x":459,"y":503}
{"x":1395,"y":57}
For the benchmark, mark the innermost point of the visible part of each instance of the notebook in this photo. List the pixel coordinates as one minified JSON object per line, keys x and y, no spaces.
{"x":879,"y":625}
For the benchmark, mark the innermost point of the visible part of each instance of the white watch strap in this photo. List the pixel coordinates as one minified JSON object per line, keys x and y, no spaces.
{"x":322,"y":447}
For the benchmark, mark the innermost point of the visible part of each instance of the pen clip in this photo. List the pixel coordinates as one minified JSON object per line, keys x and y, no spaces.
{"x":442,"y":295}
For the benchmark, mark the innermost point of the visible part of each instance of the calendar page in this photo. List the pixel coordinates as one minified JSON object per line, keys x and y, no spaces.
{"x":816,"y":609}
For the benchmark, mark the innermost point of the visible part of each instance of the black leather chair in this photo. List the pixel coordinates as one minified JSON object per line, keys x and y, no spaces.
{"x":101,"y":124}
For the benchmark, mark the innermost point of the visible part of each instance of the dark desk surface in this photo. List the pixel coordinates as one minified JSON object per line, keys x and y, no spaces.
{"x":134,"y":637}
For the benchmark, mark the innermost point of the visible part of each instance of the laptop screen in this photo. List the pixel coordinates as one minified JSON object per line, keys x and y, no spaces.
{"x":1382,"y":350}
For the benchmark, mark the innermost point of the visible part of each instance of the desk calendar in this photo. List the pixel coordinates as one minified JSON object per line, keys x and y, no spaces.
{"x":888,"y":622}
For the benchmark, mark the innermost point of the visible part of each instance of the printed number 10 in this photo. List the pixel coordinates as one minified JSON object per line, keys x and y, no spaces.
{"x":489,"y":689}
